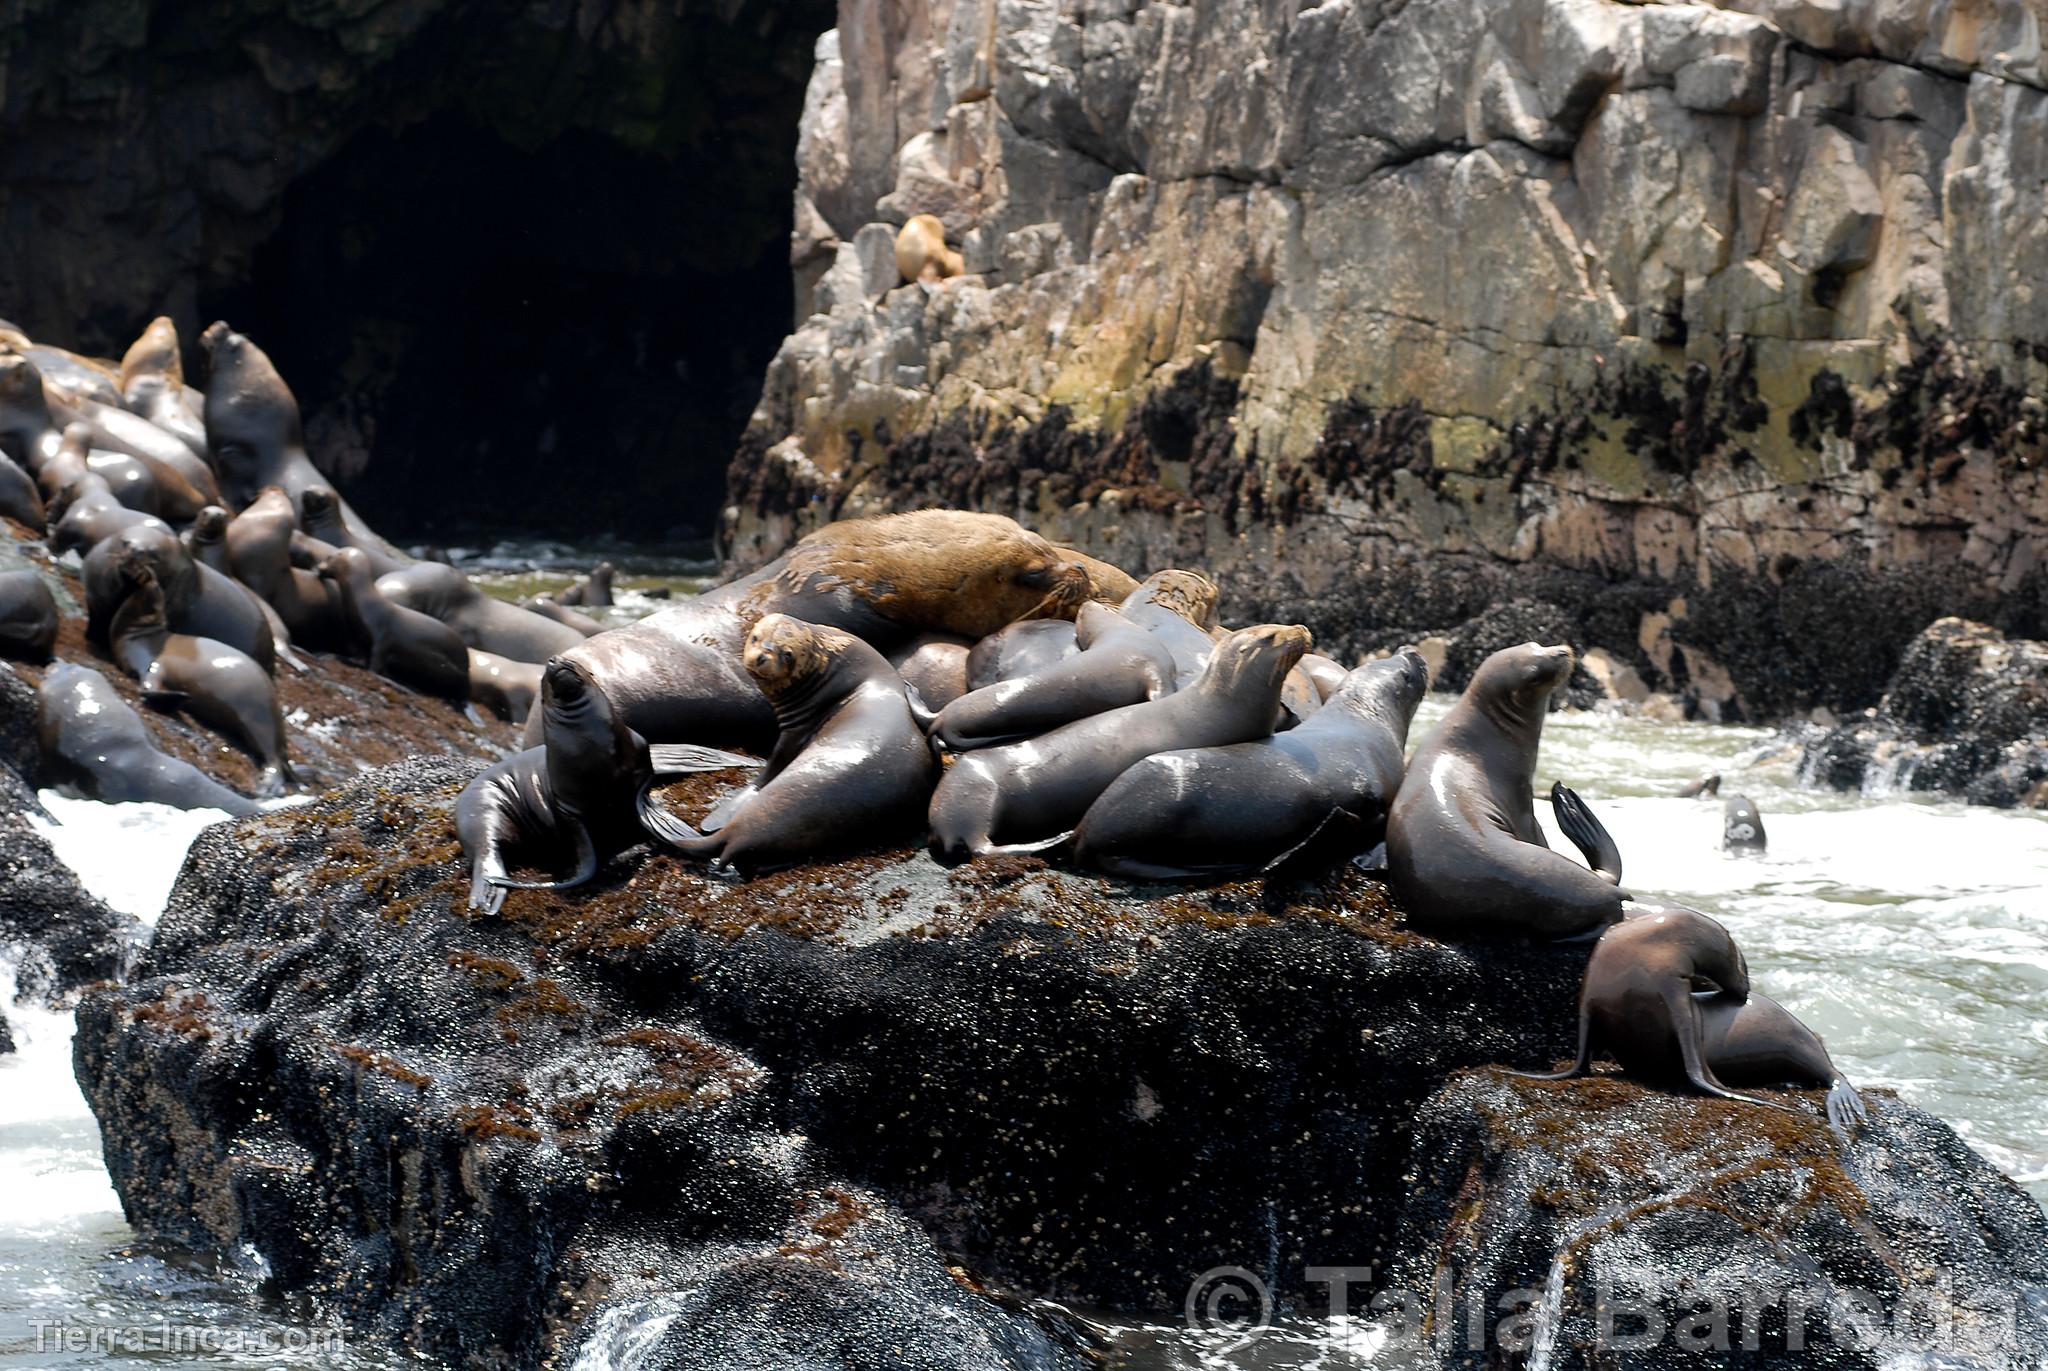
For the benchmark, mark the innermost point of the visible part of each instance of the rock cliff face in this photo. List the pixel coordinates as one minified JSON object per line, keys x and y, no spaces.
{"x":1717,"y":326}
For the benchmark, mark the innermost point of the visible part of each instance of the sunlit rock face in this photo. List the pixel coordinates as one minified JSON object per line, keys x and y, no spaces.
{"x":1718,"y":325}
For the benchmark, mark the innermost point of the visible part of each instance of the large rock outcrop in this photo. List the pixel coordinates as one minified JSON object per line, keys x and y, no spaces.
{"x":1716,"y":324}
{"x":871,"y":1113}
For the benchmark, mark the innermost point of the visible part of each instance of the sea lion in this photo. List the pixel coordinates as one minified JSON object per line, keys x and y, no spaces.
{"x":482,"y":621}
{"x":206,"y":542}
{"x":1464,"y":852}
{"x":86,"y":514}
{"x":934,"y":669}
{"x":921,"y":251}
{"x":582,"y":792}
{"x":594,"y":590}
{"x":548,"y":607}
{"x":1021,"y":796}
{"x":71,"y":374}
{"x":1326,"y":674}
{"x":1019,"y":650}
{"x":1639,"y":1003}
{"x":1180,"y":607}
{"x":92,"y":744}
{"x":503,"y":686}
{"x":1250,"y":806}
{"x":320,"y":516}
{"x":1119,"y":664}
{"x":850,"y":767}
{"x":28,"y":617}
{"x":134,"y":482}
{"x":27,"y":432}
{"x":153,"y":385}
{"x":19,"y":498}
{"x":219,"y":686}
{"x":184,"y":482}
{"x":1742,"y":828}
{"x":260,"y":549}
{"x":1110,"y":584}
{"x":1709,"y":784}
{"x":200,"y":601}
{"x":407,"y":646}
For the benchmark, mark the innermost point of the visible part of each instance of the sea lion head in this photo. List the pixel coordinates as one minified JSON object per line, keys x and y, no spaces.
{"x":1256,"y":660}
{"x":24,"y":412}
{"x":154,"y":355}
{"x":317,"y":504}
{"x":784,"y":654}
{"x":249,"y":409}
{"x":210,"y":525}
{"x":1513,"y":687}
{"x":1388,"y":689}
{"x":1189,"y":594}
{"x":348,"y":566}
{"x":579,"y":718}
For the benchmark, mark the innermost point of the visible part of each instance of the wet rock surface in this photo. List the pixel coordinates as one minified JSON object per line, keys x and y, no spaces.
{"x":1966,"y":714}
{"x":873,"y":1113}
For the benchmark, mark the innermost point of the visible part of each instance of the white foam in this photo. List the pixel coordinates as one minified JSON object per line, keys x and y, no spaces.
{"x":127,"y":854}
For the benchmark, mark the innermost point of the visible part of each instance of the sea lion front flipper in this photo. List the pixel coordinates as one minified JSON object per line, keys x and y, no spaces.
{"x":675,"y":759}
{"x":1587,"y":833}
{"x":925,"y":715}
{"x":722,"y":812}
{"x":668,"y":830}
{"x":586,"y":865}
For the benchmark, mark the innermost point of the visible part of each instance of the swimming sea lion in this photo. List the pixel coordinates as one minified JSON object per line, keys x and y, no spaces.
{"x":503,"y":686}
{"x":482,"y":621}
{"x":1703,"y":785}
{"x":921,"y":251}
{"x":219,"y":686}
{"x":200,"y":601}
{"x":850,"y":767}
{"x":19,"y":498}
{"x":1029,"y":792}
{"x":28,"y":617}
{"x":1638,"y":1003}
{"x":1249,"y":806}
{"x":1019,"y":650}
{"x":153,"y":385}
{"x":934,"y":669}
{"x":1464,"y":852}
{"x":93,"y":744}
{"x":407,"y":646}
{"x":594,"y":590}
{"x":259,"y":544}
{"x":1742,"y":828}
{"x":548,"y":607}
{"x":1119,"y":664}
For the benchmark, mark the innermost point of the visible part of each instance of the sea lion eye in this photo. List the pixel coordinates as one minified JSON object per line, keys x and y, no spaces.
{"x":1037,"y":578}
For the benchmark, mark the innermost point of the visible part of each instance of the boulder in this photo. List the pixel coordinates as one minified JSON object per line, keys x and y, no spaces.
{"x":62,"y":935}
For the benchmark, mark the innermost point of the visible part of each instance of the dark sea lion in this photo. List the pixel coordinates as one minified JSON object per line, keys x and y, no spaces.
{"x":503,"y":686}
{"x":1249,"y":806}
{"x":19,"y":498}
{"x":594,"y":590}
{"x":550,"y":608}
{"x":200,"y":600}
{"x":1640,"y":1003}
{"x":28,"y":433}
{"x":933,"y":667}
{"x":850,"y":769}
{"x":1742,"y":828}
{"x":407,"y":646}
{"x":66,"y":463}
{"x":259,"y":544}
{"x":1325,"y":673}
{"x":73,"y":375}
{"x":206,"y":541}
{"x":87,"y":514}
{"x":93,"y":744}
{"x":1464,"y":852}
{"x":1031,"y":792}
{"x":28,"y":617}
{"x":1709,"y":784}
{"x":482,"y":621}
{"x":153,"y":385}
{"x":133,"y":481}
{"x":1119,"y":664}
{"x":184,"y":482}
{"x":320,"y":516}
{"x":1019,"y":650}
{"x":217,"y":685}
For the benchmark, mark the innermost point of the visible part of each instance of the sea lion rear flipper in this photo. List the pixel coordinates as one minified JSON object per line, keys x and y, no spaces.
{"x":674,"y":759}
{"x":1845,"y":1107}
{"x":665,"y":828}
{"x":1587,"y":833}
{"x":722,"y":812}
{"x":586,"y":865}
{"x":168,"y":701}
{"x":1581,"y":1064}
{"x":1685,"y":1020}
{"x":925,"y":715}
{"x":1037,"y":849}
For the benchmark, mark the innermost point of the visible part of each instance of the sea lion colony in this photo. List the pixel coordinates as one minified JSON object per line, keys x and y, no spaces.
{"x":941,"y":672}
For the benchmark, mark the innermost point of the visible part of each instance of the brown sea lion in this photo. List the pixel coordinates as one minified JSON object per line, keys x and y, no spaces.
{"x":206,"y":542}
{"x":1119,"y":664}
{"x":260,"y":549}
{"x":92,"y":744}
{"x":933,"y":667}
{"x":1464,"y":852}
{"x":1029,"y":792}
{"x":503,"y":686}
{"x":28,"y":617}
{"x":153,"y":385}
{"x":200,"y":600}
{"x":850,"y":769}
{"x":482,"y":621}
{"x":1641,"y":1003}
{"x":219,"y":686}
{"x":1110,"y":584}
{"x":548,"y":607}
{"x":320,"y":516}
{"x":87,"y":514}
{"x":1019,"y":650}
{"x":184,"y":482}
{"x":594,"y":590}
{"x":1250,"y":806}
{"x":921,"y":251}
{"x":409,"y":647}
{"x":19,"y":498}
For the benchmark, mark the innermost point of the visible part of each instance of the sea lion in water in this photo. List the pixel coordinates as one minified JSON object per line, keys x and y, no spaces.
{"x":28,"y":617}
{"x":1464,"y":852}
{"x":1639,"y":1003}
{"x":200,"y":600}
{"x":921,"y":251}
{"x":1709,"y":784}
{"x":1031,"y":793}
{"x":153,"y":385}
{"x":594,"y":590}
{"x":548,"y":607}
{"x":217,"y":685}
{"x":407,"y":646}
{"x":19,"y":498}
{"x":1119,"y":664}
{"x":259,"y":544}
{"x":850,"y":767}
{"x":933,"y":667}
{"x":1250,"y":806}
{"x":482,"y":621}
{"x":1742,"y":828}
{"x":94,"y":745}
{"x":503,"y":686}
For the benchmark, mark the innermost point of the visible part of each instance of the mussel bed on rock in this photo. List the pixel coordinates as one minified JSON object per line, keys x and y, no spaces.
{"x":875,"y":1113}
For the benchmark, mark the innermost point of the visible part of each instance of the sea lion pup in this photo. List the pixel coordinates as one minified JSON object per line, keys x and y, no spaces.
{"x":28,"y":617}
{"x":594,"y":590}
{"x":1464,"y":853}
{"x":921,"y":251}
{"x":19,"y":498}
{"x":579,"y":797}
{"x":259,"y":552}
{"x":1742,"y":828}
{"x":200,"y":601}
{"x":934,"y":670}
{"x":850,"y":766}
{"x":1707,"y":785}
{"x":1119,"y":664}
{"x":503,"y":686}
{"x":482,"y":621}
{"x":92,"y":744}
{"x":409,"y":647}
{"x":220,"y":687}
{"x":153,"y":385}
{"x":1640,"y":1003}
{"x":1250,"y":806}
{"x":1025,"y":797}
{"x":548,"y":607}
